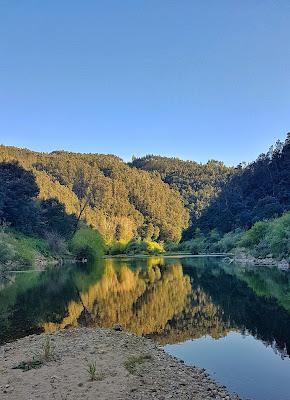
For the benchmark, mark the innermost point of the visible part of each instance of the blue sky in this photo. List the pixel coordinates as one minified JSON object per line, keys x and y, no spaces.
{"x":197,"y":79}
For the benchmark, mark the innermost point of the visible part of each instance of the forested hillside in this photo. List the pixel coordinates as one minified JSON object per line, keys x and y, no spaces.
{"x":153,"y":197}
{"x":196,"y":183}
{"x":121,"y":202}
{"x":259,"y":191}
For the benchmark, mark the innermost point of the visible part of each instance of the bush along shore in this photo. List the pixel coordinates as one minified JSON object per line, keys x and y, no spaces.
{"x":99,"y":363}
{"x":266,"y":243}
{"x":19,"y":251}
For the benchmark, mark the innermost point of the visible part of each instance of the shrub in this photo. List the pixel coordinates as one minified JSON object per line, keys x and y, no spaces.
{"x":213,"y":241}
{"x":198,"y":245}
{"x":185,"y":246}
{"x":135,"y":247}
{"x":278,"y":236}
{"x":20,"y":249}
{"x":56,"y":243}
{"x":24,"y":254}
{"x":118,"y":247}
{"x":154,"y":247}
{"x":27,"y":247}
{"x":7,"y":252}
{"x":254,"y":235}
{"x":269,"y":237}
{"x":230,"y":240}
{"x":87,"y":243}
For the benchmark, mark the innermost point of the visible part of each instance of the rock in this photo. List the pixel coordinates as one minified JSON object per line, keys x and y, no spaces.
{"x":283,"y":264}
{"x":118,"y":328}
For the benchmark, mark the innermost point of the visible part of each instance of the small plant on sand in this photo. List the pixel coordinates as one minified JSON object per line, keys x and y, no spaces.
{"x":28,"y":365}
{"x":132,"y":362}
{"x":47,"y":349}
{"x":92,"y":370}
{"x":39,"y":358}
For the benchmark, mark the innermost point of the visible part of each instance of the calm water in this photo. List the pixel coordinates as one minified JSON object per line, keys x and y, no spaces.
{"x":233,"y":321}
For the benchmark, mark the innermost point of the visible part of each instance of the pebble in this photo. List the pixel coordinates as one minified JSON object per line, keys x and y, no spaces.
{"x":160,"y":378}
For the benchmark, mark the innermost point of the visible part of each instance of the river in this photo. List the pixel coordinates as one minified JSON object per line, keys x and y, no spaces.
{"x":232,"y":320}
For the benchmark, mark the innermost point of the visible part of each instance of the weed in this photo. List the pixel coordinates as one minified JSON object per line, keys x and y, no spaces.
{"x":27,"y":365}
{"x":47,"y":349}
{"x":132,"y":362}
{"x":92,"y":370}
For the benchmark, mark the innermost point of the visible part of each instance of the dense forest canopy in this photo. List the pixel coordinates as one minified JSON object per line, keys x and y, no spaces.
{"x":121,"y":202}
{"x":157,"y":198}
{"x":259,"y":191}
{"x":196,"y":183}
{"x":223,"y":198}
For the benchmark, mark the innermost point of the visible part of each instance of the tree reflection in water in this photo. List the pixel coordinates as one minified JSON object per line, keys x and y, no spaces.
{"x":170,"y":300}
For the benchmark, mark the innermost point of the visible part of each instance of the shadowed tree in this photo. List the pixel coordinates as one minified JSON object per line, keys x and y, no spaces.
{"x":85,"y":190}
{"x":17,"y":197}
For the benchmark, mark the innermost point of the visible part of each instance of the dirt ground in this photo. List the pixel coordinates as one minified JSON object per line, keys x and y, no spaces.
{"x":122,"y":366}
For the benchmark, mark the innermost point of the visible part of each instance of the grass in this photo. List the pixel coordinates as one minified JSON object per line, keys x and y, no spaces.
{"x":28,"y":365}
{"x":93,"y":374}
{"x":132,"y":362}
{"x":20,"y":250}
{"x":39,"y":359}
{"x":47,"y":349}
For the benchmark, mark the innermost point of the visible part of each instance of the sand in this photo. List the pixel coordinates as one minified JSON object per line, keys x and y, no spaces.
{"x":127,"y":367}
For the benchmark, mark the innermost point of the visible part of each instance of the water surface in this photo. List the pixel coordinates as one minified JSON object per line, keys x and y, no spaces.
{"x":233,"y":321}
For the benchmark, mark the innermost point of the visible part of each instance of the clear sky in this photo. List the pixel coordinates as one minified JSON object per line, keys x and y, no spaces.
{"x":197,"y":79}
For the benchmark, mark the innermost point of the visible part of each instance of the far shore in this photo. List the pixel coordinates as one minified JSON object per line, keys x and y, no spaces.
{"x":169,"y":255}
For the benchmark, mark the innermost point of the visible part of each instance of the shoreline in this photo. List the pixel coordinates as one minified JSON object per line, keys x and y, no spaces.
{"x":248,"y":259}
{"x":169,"y":255}
{"x":127,"y":367}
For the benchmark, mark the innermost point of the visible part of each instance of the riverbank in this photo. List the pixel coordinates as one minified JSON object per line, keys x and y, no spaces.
{"x":126,"y":367}
{"x":244,"y":258}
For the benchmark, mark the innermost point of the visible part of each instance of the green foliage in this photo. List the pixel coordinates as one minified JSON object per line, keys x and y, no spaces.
{"x":254,"y":235}
{"x":149,"y":200}
{"x":28,"y":365}
{"x":198,"y":245}
{"x":18,"y":190}
{"x":196,"y":183}
{"x":172,"y":247}
{"x":118,"y":247}
{"x":94,"y":375}
{"x":137,"y":246}
{"x":92,"y":370}
{"x":265,"y":238}
{"x":278,"y":236}
{"x":87,"y":243}
{"x":257,"y":191}
{"x":154,"y":247}
{"x":19,"y":249}
{"x":269,"y":237}
{"x":230,"y":241}
{"x":54,"y":219}
{"x":25,"y":254}
{"x":7,"y":251}
{"x":117,"y":200}
{"x":213,"y":242}
{"x":56,"y":243}
{"x":132,"y":363}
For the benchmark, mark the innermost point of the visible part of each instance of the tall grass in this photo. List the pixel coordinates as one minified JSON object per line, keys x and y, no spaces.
{"x":20,"y":250}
